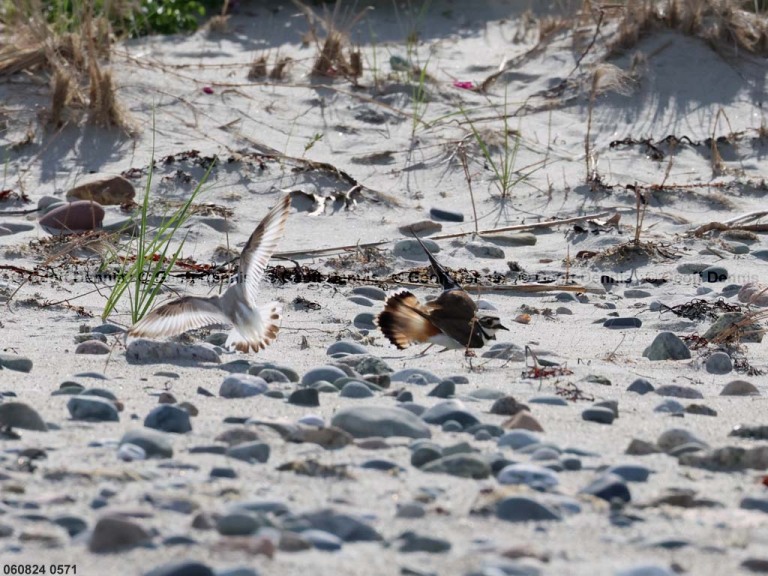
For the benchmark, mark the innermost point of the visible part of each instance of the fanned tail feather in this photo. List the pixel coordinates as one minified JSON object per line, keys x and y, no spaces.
{"x":403,"y":321}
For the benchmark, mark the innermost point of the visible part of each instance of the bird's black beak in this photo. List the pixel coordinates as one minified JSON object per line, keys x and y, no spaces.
{"x":500,"y":327}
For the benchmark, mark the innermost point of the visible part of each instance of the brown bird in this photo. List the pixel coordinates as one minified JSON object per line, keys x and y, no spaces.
{"x":253,"y":327}
{"x":450,"y":320}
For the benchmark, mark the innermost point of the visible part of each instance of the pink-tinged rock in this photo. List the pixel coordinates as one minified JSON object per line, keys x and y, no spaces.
{"x":73,"y":217}
{"x":754,"y":293}
{"x":106,"y":189}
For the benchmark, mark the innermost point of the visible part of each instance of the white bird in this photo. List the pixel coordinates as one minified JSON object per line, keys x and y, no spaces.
{"x":253,"y":327}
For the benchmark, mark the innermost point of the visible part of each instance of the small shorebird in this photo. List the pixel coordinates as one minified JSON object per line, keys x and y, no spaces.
{"x":253,"y":327}
{"x":450,"y":320}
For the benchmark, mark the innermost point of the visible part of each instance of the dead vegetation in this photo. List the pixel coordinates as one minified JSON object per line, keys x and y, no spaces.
{"x":74,"y":62}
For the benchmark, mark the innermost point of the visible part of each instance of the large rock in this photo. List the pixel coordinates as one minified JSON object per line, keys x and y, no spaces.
{"x":106,"y":189}
{"x":382,"y":421}
{"x":78,"y":216}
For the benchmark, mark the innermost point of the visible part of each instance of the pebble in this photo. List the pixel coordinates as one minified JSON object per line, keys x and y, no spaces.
{"x":357,"y":390}
{"x":517,"y":439}
{"x":9,"y":228}
{"x":483,"y":250}
{"x":420,"y":228}
{"x":410,"y":249}
{"x":326,"y":373}
{"x":667,"y":346}
{"x":630,"y":472}
{"x":525,"y":509}
{"x":719,"y":363}
{"x":523,"y":420}
{"x":759,"y":503}
{"x":242,"y":386}
{"x":754,"y":293}
{"x":371,"y":292}
{"x":115,"y":534}
{"x":238,"y":523}
{"x":700,"y":410}
{"x":424,"y":454}
{"x":678,"y":391}
{"x":622,"y":323}
{"x":251,"y":452}
{"x":410,"y":510}
{"x":739,"y":388}
{"x":309,"y":397}
{"x":270,"y":375}
{"x":463,"y":465}
{"x":364,"y":321}
{"x":608,"y":487}
{"x":728,"y":458}
{"x":450,"y":410}
{"x":323,"y":540}
{"x":639,"y":447}
{"x":21,"y":415}
{"x":674,"y":437}
{"x":598,"y":414}
{"x":444,"y":389}
{"x":131,"y":452}
{"x":106,"y":189}
{"x":383,"y":421}
{"x":712,"y":274}
{"x":507,"y":406}
{"x":406,"y":374}
{"x":15,"y":362}
{"x":537,"y":477}
{"x":670,"y":406}
{"x":168,"y":418}
{"x":505,"y":351}
{"x":646,"y":570}
{"x":92,"y":408}
{"x":447,"y":215}
{"x":514,"y":239}
{"x":548,"y":400}
{"x":155,"y":444}
{"x":74,"y":525}
{"x":344,"y":526}
{"x":636,"y":293}
{"x":183,"y":568}
{"x":413,"y":542}
{"x":361,"y":301}
{"x":149,"y":352}
{"x":78,"y":216}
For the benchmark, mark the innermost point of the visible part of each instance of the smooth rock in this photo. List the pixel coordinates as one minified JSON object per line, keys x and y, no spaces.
{"x":106,"y":189}
{"x":242,"y":386}
{"x":754,"y":293}
{"x":168,"y":418}
{"x":608,"y":487}
{"x":678,"y":391}
{"x":406,"y":374}
{"x":15,"y":362}
{"x":344,"y":526}
{"x":622,"y":323}
{"x":149,"y":352}
{"x":356,"y":390}
{"x":667,"y":346}
{"x":670,"y":406}
{"x":719,"y":363}
{"x":447,"y":215}
{"x":739,"y":388}
{"x":413,"y":542}
{"x":674,"y":437}
{"x":548,"y":400}
{"x":92,"y":408}
{"x":462,"y":465}
{"x":483,"y":250}
{"x":183,"y":568}
{"x":598,"y":414}
{"x":630,"y":472}
{"x":155,"y":444}
{"x":450,"y":410}
{"x":383,"y":421}
{"x":507,"y":406}
{"x":537,"y":477}
{"x":523,"y":421}
{"x":326,"y":373}
{"x":525,"y":509}
{"x":323,"y":540}
{"x":251,"y":452}
{"x":309,"y":397}
{"x":714,"y":274}
{"x":21,"y":415}
{"x":410,"y":249}
{"x":444,"y":389}
{"x":78,"y":216}
{"x":759,"y":503}
{"x":115,"y":534}
{"x":371,"y":292}
{"x":517,"y":439}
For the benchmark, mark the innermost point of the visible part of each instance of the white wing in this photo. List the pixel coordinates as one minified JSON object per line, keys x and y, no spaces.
{"x":179,"y":316}
{"x":260,"y":246}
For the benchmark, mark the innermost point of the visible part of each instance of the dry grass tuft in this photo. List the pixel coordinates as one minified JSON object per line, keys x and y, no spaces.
{"x":331,"y":59}
{"x":722,"y":23}
{"x":258,"y":69}
{"x":60,"y":97}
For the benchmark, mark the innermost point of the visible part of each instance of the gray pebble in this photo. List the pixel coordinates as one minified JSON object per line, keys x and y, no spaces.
{"x":405,"y":374}
{"x":448,"y":215}
{"x":444,"y":389}
{"x":412,"y":542}
{"x":250,"y":452}
{"x":713,"y":274}
{"x":323,"y":540}
{"x":636,"y":293}
{"x":630,"y":472}
{"x":517,"y":439}
{"x":450,"y":410}
{"x":361,"y":301}
{"x":548,"y":400}
{"x":536,"y":477}
{"x":148,"y":351}
{"x":678,"y":391}
{"x":670,"y":406}
{"x":739,"y":388}
{"x":242,"y":386}
{"x":525,"y":509}
{"x":608,"y":487}
{"x":168,"y":418}
{"x":621,"y":323}
{"x":598,"y":414}
{"x":347,"y":347}
{"x":21,"y":415}
{"x":115,"y":534}
{"x":667,"y":346}
{"x":327,"y":373}
{"x":154,"y":444}
{"x":483,"y":250}
{"x":92,"y":347}
{"x":382,"y":421}
{"x":356,"y":390}
{"x":15,"y":362}
{"x":462,"y":465}
{"x":410,"y":249}
{"x":364,"y":321}
{"x":270,"y":375}
{"x":640,"y":386}
{"x":371,"y":292}
{"x":306,"y":397}
{"x":238,"y":523}
{"x":92,"y":408}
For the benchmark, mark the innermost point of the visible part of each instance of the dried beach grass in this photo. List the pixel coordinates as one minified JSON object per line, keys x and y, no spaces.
{"x":331,"y":59}
{"x":725,"y":24}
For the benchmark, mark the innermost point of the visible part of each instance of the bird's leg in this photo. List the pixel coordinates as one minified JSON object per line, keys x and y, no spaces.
{"x":423,"y":352}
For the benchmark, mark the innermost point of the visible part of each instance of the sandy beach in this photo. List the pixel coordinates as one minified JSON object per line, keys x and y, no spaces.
{"x":595,"y":176}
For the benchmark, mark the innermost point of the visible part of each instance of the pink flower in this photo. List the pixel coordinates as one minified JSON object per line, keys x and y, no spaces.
{"x":463,"y":85}
{"x":207,"y":89}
